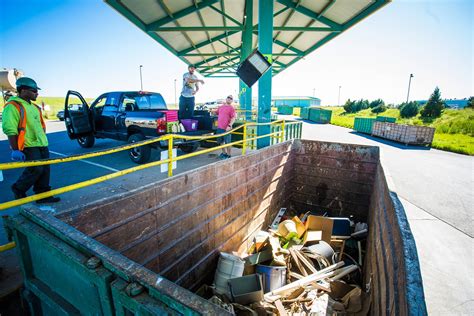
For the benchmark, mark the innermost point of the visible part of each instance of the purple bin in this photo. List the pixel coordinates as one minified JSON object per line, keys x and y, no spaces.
{"x":190,"y":125}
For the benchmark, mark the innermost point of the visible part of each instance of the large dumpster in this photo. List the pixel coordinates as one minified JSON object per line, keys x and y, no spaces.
{"x":304,"y":113}
{"x":319,"y":115}
{"x":285,"y":109}
{"x":364,"y":124}
{"x":405,"y":134}
{"x":146,"y":250}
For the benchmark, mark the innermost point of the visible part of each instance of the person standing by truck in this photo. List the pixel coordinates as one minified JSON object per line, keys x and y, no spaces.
{"x":225,"y":119}
{"x":190,"y":88}
{"x":23,"y":124}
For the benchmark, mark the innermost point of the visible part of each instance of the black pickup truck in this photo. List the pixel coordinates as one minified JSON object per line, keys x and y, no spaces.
{"x":128,"y":116}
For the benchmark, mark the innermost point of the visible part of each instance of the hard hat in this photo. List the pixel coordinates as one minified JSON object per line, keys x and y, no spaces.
{"x":26,"y":82}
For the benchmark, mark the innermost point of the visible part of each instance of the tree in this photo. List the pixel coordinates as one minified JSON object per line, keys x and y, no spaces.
{"x":434,"y":106}
{"x":409,"y":109}
{"x":379,"y":109}
{"x":470,"y":103}
{"x":349,"y":106}
{"x":362,"y":105}
{"x":376,"y":103}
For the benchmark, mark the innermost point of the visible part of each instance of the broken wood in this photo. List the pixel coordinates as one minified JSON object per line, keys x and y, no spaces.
{"x":281,"y":308}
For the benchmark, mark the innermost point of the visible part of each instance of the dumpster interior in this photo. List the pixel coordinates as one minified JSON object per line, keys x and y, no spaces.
{"x":178,"y":227}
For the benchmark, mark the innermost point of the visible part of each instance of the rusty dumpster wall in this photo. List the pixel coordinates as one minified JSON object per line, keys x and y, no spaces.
{"x":391,"y":264}
{"x":334,"y":178}
{"x":177,"y":227}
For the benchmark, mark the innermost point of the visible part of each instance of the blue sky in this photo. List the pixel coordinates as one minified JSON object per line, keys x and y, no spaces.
{"x":86,"y":46}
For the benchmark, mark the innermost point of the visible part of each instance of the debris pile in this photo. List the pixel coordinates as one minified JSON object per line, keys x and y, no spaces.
{"x":302,"y":265}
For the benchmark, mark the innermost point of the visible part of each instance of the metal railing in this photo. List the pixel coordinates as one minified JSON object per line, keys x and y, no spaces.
{"x":280,"y":131}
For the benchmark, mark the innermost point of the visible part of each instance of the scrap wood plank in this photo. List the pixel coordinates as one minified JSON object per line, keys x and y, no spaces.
{"x":305,"y":261}
{"x":281,"y":309}
{"x":297,"y":262}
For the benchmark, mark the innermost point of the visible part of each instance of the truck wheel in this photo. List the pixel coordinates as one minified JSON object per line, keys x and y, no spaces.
{"x":189,"y":147}
{"x":139,"y":154}
{"x":86,"y":141}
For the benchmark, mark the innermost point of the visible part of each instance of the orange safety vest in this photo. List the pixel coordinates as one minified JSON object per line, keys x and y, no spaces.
{"x":22,"y":123}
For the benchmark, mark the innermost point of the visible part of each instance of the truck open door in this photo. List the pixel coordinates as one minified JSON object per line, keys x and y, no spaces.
{"x":77,"y":116}
{"x":78,"y":119}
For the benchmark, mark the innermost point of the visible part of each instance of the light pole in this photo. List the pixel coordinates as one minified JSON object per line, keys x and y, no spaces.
{"x":339,"y":96}
{"x":175,"y":102}
{"x":314,"y":92}
{"x":409,"y":82}
{"x":141,"y":81}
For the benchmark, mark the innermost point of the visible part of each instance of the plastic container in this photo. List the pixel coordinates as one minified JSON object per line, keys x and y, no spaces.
{"x":228,"y":267}
{"x":323,"y":249}
{"x":189,"y":124}
{"x":246,"y":289}
{"x":273,"y":277}
{"x":171,"y":115}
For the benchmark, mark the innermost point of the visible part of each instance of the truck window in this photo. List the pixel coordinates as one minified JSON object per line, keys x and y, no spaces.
{"x":135,"y":101}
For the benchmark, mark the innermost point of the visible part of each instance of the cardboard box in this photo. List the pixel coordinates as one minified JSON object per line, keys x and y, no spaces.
{"x":323,"y":224}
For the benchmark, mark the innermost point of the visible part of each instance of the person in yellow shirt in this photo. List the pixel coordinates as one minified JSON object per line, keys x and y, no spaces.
{"x":23,"y":124}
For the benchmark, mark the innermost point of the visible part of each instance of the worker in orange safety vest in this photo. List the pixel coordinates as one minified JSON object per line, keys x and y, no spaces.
{"x":23,"y":124}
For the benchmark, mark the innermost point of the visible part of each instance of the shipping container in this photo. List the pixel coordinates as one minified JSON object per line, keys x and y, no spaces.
{"x":406,"y":134}
{"x":364,"y":124}
{"x":145,"y":251}
{"x":319,"y":115}
{"x":385,"y":119}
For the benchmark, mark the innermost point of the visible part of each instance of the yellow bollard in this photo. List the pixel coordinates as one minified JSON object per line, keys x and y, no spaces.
{"x":170,"y":156}
{"x":282,"y":136}
{"x":244,"y":137}
{"x":8,"y":246}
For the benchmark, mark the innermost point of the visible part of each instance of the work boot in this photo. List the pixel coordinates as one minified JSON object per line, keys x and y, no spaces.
{"x":51,"y":199}
{"x":18,"y":193}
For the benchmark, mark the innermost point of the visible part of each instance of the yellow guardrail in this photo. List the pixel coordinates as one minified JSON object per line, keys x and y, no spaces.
{"x":280,"y":135}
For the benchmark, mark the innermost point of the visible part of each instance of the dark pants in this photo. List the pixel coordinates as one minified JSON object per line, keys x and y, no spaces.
{"x":36,"y":177}
{"x":186,"y":107}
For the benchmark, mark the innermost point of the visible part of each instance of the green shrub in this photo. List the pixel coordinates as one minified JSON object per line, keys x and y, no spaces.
{"x":379,"y":109}
{"x":356,"y":106}
{"x":376,"y":103}
{"x":409,"y":109}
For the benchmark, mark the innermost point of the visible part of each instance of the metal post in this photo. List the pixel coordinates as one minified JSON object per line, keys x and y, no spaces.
{"x":170,"y":156}
{"x":339,"y":97}
{"x":141,"y":81}
{"x":409,"y":83}
{"x":245,"y":93}
{"x":265,"y":43}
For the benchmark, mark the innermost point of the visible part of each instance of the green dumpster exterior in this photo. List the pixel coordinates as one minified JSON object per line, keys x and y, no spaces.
{"x":364,"y":124}
{"x":387,"y":119}
{"x":286,"y":110}
{"x":304,"y":113}
{"x":319,"y":115}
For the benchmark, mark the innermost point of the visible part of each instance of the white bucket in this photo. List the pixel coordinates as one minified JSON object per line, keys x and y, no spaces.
{"x":228,"y":267}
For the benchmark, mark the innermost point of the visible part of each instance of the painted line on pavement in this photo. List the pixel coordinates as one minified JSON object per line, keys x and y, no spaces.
{"x":88,"y":162}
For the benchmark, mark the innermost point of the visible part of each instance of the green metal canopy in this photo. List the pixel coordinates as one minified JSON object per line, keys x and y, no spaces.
{"x":210,"y":33}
